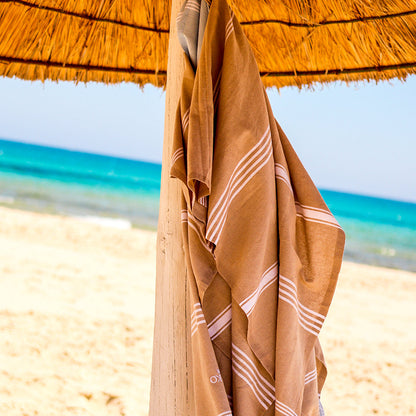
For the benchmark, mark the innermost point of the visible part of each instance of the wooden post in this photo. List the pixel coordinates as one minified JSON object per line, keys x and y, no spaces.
{"x":170,"y":391}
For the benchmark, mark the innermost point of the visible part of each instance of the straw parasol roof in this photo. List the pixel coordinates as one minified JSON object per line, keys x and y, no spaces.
{"x":295,"y":42}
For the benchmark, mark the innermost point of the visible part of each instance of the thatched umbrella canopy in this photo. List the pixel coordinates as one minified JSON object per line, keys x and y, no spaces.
{"x":295,"y":42}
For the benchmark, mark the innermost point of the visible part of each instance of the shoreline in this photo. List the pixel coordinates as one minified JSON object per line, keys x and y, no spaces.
{"x":77,"y":307}
{"x":126,"y":224}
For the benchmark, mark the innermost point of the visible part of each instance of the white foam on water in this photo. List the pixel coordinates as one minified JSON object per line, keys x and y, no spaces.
{"x":118,"y":223}
{"x":4,"y":199}
{"x":386,"y":251}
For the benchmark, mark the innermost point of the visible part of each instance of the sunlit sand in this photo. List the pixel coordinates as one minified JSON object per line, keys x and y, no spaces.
{"x":76,"y":317}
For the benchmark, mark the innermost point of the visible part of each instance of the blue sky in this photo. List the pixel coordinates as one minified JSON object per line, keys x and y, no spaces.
{"x":359,"y":139}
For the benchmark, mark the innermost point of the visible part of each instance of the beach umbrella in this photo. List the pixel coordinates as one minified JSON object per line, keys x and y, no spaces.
{"x":295,"y":43}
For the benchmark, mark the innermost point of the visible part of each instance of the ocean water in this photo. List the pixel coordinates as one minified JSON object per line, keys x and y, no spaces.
{"x":100,"y":188}
{"x":125,"y":193}
{"x":379,"y":231}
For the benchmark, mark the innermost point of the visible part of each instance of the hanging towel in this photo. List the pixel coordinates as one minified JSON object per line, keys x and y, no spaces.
{"x":263,"y":252}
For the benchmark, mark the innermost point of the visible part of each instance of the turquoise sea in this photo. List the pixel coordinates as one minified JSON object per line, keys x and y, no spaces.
{"x":125,"y":193}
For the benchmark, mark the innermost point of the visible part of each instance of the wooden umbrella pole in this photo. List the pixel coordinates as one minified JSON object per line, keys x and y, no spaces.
{"x":170,"y":392}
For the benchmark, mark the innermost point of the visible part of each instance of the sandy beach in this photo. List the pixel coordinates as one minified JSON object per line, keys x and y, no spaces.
{"x":76,"y":318}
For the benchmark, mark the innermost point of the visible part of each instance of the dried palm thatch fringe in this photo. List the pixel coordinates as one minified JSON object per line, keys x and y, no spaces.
{"x":295,"y":42}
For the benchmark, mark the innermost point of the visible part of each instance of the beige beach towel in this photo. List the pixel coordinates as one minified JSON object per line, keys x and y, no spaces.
{"x":263,"y":251}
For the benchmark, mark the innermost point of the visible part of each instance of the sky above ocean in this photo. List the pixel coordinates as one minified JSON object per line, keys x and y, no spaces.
{"x":358,"y":139}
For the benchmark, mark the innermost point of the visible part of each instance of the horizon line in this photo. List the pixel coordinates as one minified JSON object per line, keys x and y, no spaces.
{"x":159,"y":163}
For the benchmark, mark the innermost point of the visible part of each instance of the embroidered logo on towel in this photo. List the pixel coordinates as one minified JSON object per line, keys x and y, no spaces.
{"x":217,"y":378}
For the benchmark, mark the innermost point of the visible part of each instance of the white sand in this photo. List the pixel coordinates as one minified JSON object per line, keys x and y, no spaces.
{"x":76,"y":318}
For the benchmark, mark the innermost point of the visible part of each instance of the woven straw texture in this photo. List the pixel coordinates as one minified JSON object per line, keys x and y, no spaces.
{"x":296,"y":43}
